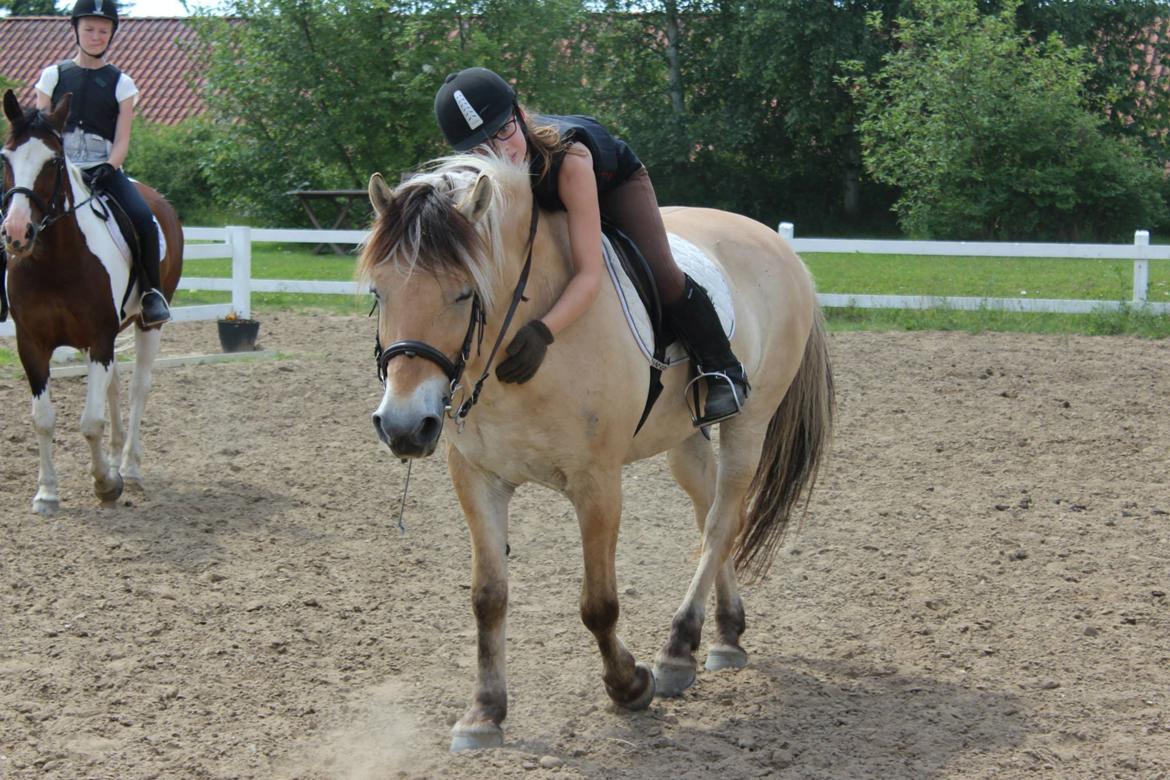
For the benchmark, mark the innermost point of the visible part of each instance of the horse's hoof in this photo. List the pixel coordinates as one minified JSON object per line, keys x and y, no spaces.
{"x":477,"y":737}
{"x":643,"y":699}
{"x":725,"y":657}
{"x":111,"y":492}
{"x":46,"y":506}
{"x":673,"y":676}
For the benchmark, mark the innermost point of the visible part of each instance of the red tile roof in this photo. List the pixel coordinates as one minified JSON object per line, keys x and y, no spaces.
{"x":152,"y":51}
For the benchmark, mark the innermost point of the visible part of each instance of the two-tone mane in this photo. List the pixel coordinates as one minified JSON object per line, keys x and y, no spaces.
{"x":425,"y":229}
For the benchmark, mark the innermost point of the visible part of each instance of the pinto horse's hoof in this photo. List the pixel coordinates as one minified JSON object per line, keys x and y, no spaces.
{"x":109,"y":493}
{"x":477,"y":737}
{"x":721,"y":657}
{"x":673,"y":675}
{"x":46,"y":506}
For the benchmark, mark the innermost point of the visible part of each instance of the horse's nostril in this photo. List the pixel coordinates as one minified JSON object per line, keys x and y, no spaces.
{"x":430,"y":429}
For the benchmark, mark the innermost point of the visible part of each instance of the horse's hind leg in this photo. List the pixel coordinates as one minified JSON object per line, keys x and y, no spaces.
{"x":693,"y":466}
{"x":107,"y":482}
{"x":484,"y":498}
{"x":599,"y":505}
{"x":146,"y":346}
{"x":675,"y":665}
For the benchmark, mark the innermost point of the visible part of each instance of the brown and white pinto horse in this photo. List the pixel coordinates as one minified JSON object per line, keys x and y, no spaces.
{"x":446,"y":260}
{"x":67,"y":280}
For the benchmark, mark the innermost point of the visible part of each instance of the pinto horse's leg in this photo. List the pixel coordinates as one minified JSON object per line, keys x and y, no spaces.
{"x":484,"y":498}
{"x":674,"y":667}
{"x":114,"y":406}
{"x":146,"y":346}
{"x":693,"y":465}
{"x":599,"y":507}
{"x":107,"y":482}
{"x":35,"y":361}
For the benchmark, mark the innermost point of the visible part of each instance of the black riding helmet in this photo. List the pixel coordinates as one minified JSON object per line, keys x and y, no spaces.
{"x":471,"y":106}
{"x":103,"y":9}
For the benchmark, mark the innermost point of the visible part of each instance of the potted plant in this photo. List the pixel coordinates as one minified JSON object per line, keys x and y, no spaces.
{"x":238,"y":334}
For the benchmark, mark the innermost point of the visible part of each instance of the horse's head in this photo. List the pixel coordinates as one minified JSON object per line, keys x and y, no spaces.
{"x":34,"y":172}
{"x":434,"y":260}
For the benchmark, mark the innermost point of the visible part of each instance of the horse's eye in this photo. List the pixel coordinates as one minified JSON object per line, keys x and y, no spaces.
{"x":463,"y":296}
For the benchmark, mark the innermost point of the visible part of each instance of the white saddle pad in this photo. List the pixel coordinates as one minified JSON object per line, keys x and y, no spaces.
{"x":119,"y":240}
{"x":696,"y":264}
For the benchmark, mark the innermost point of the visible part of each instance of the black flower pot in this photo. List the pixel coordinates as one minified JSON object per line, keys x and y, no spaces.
{"x":238,"y":335}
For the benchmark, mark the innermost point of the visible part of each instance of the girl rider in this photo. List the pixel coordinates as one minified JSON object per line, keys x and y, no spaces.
{"x":580,"y":168}
{"x":97,"y":132}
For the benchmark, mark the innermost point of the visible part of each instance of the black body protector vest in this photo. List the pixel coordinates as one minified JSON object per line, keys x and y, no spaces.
{"x":613,"y":160}
{"x":94,"y":108}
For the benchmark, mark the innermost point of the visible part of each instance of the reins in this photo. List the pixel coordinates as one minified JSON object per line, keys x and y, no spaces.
{"x":50,"y":212}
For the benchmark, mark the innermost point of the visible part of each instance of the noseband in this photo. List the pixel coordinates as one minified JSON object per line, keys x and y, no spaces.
{"x":453,"y":369}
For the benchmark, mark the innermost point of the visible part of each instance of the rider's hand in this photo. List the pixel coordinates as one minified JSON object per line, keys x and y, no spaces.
{"x":525,"y":353}
{"x":100,"y":175}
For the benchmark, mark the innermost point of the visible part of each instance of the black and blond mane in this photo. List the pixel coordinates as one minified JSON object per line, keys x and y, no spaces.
{"x":425,"y":229}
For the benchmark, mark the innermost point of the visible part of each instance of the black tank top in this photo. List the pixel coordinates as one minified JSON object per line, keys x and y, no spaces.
{"x":613,"y":160}
{"x":94,"y":108}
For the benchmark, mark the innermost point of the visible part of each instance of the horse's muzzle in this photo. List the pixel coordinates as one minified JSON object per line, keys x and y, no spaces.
{"x":414,"y":437}
{"x":17,"y":247}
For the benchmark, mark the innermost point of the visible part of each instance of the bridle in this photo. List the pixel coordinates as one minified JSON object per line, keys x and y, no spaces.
{"x":454,"y":369}
{"x":51,"y":211}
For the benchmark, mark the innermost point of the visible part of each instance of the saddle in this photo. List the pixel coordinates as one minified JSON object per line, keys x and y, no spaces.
{"x":638,"y":272}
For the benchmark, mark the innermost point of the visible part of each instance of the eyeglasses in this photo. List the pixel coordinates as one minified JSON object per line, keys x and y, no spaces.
{"x":506,"y":131}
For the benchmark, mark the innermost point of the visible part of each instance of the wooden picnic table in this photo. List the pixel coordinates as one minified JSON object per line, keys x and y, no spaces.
{"x":342,"y":200}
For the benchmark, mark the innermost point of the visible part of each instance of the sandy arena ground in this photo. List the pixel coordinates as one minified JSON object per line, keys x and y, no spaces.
{"x":979,"y":589}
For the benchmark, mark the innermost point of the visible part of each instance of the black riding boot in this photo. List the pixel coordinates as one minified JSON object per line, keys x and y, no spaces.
{"x":694,"y":320}
{"x":154,"y":304}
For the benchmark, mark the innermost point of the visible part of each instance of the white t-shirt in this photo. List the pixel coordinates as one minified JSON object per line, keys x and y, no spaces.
{"x":86,"y":149}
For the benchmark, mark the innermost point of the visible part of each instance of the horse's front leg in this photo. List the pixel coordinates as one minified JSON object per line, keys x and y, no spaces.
{"x":35,"y":361}
{"x":107,"y":482}
{"x":484,"y":498}
{"x":146,"y":346}
{"x":599,"y":508}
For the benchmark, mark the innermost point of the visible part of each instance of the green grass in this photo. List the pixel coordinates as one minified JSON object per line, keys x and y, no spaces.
{"x":1108,"y":280}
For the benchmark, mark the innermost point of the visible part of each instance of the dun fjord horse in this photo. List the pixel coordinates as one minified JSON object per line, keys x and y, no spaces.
{"x":446,"y":261}
{"x":67,"y":280}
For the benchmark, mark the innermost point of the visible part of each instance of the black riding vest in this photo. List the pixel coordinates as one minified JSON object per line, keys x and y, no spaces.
{"x":94,"y":108}
{"x":613,"y":160}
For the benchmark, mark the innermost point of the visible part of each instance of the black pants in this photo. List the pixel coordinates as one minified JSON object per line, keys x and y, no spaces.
{"x":126,"y":194}
{"x":633,"y":208}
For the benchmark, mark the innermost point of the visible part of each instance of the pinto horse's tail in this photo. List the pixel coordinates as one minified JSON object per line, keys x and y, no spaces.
{"x":796,"y":442}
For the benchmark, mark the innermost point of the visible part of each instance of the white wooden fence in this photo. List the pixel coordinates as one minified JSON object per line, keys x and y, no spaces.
{"x":236,"y":243}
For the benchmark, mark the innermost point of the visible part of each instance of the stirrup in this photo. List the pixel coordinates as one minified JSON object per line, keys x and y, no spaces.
{"x":702,"y":421}
{"x":166,"y":309}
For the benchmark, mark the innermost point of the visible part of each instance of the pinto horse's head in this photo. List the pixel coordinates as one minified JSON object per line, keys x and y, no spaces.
{"x":34,"y":169}
{"x":434,"y":260}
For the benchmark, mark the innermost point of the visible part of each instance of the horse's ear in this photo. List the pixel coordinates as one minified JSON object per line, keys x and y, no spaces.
{"x":475,"y":204}
{"x":381,"y":196}
{"x":11,"y":106}
{"x":60,"y":112}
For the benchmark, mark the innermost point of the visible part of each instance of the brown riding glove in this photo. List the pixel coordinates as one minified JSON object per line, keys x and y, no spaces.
{"x":525,"y":353}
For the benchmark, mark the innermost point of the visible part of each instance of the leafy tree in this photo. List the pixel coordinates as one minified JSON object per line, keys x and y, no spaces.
{"x":320,"y":93}
{"x":31,"y":8}
{"x":988,"y":134}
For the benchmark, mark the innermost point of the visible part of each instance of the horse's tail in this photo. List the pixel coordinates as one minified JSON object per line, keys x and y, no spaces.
{"x":797,"y":439}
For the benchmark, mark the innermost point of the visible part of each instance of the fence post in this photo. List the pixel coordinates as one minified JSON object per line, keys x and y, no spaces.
{"x":787,"y":231}
{"x":1141,"y":268}
{"x":240,"y":241}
